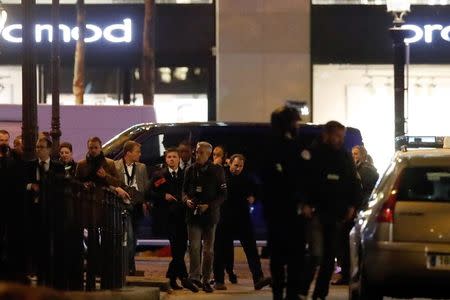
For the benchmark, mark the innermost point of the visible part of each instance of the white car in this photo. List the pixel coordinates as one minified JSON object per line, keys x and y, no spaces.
{"x":400,"y":245}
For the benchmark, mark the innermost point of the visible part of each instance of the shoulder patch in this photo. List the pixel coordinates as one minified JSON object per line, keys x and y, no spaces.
{"x":279,"y":168}
{"x":306,"y":155}
{"x":159,"y":182}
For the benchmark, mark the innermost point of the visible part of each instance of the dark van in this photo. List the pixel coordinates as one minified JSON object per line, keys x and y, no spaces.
{"x":250,"y":139}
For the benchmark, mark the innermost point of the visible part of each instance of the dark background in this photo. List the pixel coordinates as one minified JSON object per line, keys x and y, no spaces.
{"x":358,"y":34}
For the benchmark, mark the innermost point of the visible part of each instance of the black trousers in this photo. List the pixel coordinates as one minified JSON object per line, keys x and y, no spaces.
{"x":324,"y":238}
{"x":224,"y":249}
{"x":178,"y":237}
{"x":287,"y":250}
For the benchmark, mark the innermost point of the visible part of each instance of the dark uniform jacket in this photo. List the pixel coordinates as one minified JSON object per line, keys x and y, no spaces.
{"x":334,"y":183}
{"x":205,"y":185}
{"x":236,"y":208}
{"x":165,"y":212}
{"x":285,"y":185}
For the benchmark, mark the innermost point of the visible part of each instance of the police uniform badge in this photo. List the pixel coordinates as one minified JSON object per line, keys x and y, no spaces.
{"x":306,"y":155}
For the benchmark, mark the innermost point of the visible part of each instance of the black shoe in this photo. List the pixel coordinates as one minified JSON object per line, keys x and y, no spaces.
{"x":340,"y":281}
{"x":262,"y":282}
{"x":187,"y":284}
{"x":174,"y":284}
{"x":219,"y":286}
{"x":233,"y":278}
{"x":207,"y":287}
{"x":198,"y":283}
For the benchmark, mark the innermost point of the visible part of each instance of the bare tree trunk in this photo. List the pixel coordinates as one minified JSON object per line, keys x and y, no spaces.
{"x":78,"y":76}
{"x":148,"y":54}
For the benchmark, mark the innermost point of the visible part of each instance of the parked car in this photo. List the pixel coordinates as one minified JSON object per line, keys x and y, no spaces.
{"x":250,"y":139}
{"x":400,"y":244}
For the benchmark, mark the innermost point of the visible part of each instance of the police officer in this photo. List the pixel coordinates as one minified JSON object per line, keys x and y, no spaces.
{"x":204,"y":191}
{"x":335,"y":193}
{"x":236,"y":223}
{"x":285,"y":189}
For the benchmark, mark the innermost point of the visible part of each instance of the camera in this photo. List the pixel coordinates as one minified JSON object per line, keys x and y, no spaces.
{"x":4,"y":149}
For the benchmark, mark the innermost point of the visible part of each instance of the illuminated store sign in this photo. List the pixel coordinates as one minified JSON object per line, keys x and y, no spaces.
{"x":115,"y":33}
{"x":428,"y":33}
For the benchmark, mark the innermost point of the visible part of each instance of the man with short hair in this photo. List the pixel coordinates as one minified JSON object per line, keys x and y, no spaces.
{"x":204,"y":191}
{"x":4,"y":143}
{"x":185,"y":150}
{"x":44,"y":181}
{"x":166,"y":192}
{"x":134,"y":179}
{"x":335,"y":193}
{"x":236,"y":222}
{"x":98,"y":169}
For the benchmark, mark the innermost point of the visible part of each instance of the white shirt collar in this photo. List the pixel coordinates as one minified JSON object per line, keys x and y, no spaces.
{"x":173,"y":170}
{"x":47,"y":161}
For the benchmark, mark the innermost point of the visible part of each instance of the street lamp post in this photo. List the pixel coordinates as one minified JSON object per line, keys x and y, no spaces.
{"x":29,"y":98}
{"x":399,"y":8}
{"x":56,"y":131}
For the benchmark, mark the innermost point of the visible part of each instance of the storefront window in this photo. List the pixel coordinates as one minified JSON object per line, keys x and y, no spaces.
{"x":115,"y":1}
{"x":376,"y":2}
{"x":362,"y":96}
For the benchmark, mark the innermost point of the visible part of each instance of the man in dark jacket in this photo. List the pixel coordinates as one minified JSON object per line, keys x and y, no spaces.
{"x":285,"y":191}
{"x":44,"y":189}
{"x":12,"y":215}
{"x":236,"y":223}
{"x":166,"y":191}
{"x":204,"y":191}
{"x":335,"y":193}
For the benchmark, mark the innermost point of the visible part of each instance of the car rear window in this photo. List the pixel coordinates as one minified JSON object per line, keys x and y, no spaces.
{"x":425,"y":184}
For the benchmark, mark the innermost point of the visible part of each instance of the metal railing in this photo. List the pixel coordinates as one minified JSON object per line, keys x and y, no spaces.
{"x":80,"y":236}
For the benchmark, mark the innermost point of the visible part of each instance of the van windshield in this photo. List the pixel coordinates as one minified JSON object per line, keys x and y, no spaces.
{"x":425,"y":184}
{"x":113,"y":147}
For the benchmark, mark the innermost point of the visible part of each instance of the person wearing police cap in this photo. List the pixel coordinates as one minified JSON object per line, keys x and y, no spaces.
{"x":285,"y":190}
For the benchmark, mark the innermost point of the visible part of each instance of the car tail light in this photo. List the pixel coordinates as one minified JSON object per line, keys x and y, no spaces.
{"x":386,"y":214}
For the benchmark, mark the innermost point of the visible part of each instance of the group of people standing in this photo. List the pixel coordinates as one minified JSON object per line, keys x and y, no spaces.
{"x":312,"y":196}
{"x":203,"y":200}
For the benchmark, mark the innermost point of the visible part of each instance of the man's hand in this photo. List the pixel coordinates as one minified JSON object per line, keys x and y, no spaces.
{"x":351,"y":214}
{"x":203,"y":207}
{"x":35,"y":187}
{"x":251,"y":200}
{"x":101,"y":173}
{"x":123,"y":194}
{"x":190,"y":203}
{"x":146,"y":209}
{"x":170,"y":198}
{"x":307,"y":211}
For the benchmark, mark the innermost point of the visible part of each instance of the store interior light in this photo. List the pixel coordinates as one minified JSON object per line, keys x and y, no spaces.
{"x":398,"y":6}
{"x":181,"y":73}
{"x":165,"y":74}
